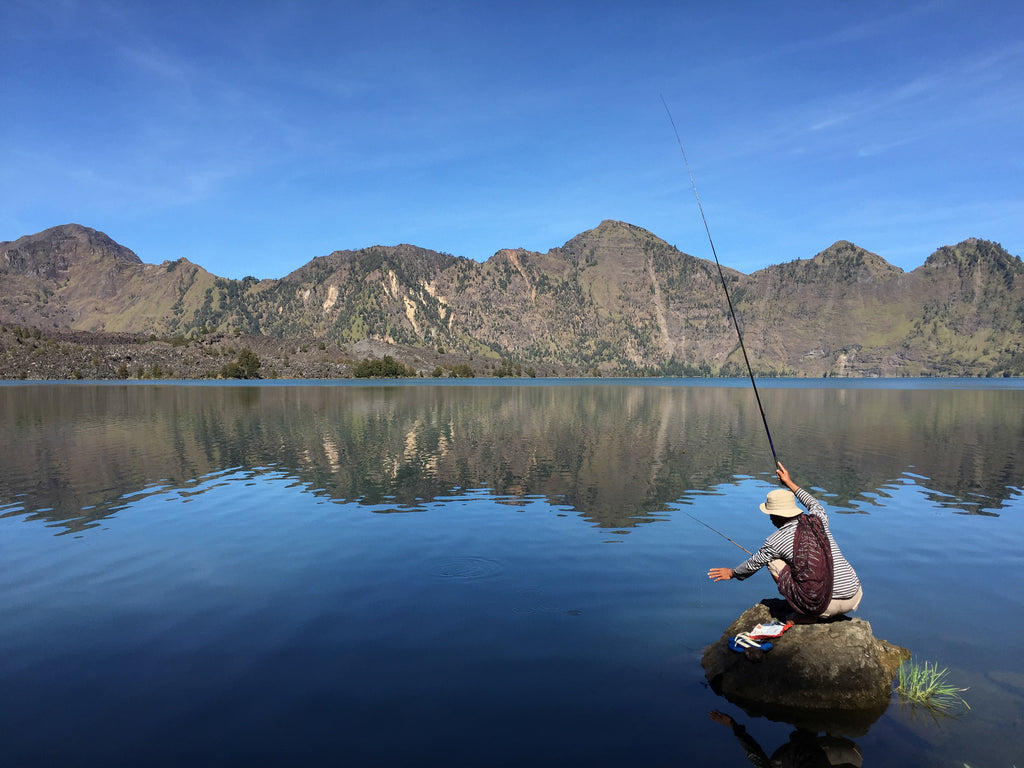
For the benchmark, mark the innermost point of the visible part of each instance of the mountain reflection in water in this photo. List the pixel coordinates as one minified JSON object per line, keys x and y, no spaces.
{"x":221,"y":590}
{"x":617,"y":454}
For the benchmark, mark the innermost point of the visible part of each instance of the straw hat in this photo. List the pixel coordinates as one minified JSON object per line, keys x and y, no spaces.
{"x":781,"y":503}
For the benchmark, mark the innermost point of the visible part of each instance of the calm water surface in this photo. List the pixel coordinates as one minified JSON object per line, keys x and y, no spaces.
{"x":489,"y":574}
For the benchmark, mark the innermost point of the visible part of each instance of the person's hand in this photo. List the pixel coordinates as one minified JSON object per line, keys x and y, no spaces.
{"x":784,"y":477}
{"x":721,"y":718}
{"x":720,"y":574}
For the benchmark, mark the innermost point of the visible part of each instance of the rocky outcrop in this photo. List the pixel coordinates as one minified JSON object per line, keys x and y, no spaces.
{"x":819,"y":675}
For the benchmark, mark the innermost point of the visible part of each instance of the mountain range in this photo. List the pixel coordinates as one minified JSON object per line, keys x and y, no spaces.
{"x":614,"y":300}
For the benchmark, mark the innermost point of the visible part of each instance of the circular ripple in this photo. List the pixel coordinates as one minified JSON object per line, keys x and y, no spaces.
{"x":535,"y":601}
{"x":467,"y":568}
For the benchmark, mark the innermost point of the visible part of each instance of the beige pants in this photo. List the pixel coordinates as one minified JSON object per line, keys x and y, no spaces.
{"x":836,"y":607}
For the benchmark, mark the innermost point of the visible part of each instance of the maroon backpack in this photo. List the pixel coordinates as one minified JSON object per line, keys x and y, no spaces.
{"x":807,"y":585}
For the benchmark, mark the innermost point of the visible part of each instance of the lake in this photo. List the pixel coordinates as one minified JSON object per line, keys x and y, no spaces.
{"x":480,"y":573}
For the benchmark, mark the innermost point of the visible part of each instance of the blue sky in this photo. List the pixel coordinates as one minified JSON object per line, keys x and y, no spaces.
{"x":251,"y":137}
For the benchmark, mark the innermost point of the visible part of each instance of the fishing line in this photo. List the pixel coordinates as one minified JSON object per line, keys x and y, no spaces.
{"x":728,"y":298}
{"x":716,"y":531}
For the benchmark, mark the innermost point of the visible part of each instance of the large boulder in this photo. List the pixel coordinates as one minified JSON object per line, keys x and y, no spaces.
{"x":820,"y":675}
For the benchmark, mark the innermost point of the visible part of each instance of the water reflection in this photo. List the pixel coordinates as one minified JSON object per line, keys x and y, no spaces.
{"x":616,"y":454}
{"x":804,"y":747}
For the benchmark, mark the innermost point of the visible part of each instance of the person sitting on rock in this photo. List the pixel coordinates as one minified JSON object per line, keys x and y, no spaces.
{"x":797,"y":556}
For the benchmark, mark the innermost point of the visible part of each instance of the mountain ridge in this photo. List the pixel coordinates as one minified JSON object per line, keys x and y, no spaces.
{"x":615,"y":299}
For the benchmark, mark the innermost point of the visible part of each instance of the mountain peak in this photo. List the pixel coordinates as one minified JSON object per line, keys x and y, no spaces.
{"x":54,"y":250}
{"x":852,"y":261}
{"x":611,"y":239}
{"x":841,"y":262}
{"x":974,"y":252}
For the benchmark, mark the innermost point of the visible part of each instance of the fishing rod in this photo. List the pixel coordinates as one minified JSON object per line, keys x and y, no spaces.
{"x":728,"y":298}
{"x":718,"y":532}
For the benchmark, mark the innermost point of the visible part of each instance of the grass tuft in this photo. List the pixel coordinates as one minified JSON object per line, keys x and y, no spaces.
{"x":926,"y":686}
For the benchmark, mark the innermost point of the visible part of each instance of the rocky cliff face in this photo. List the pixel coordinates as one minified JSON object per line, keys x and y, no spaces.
{"x":615,"y":300}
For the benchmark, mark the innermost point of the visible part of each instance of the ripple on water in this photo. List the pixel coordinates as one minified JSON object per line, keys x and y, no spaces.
{"x":467,"y":568}
{"x":534,"y":600}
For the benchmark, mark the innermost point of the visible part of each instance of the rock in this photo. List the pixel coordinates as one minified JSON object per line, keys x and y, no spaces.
{"x":815,"y":674}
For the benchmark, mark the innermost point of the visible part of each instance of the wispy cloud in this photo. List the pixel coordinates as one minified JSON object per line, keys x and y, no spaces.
{"x":870,"y":150}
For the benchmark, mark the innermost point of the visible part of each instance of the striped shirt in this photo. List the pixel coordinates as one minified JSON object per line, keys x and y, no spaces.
{"x":779,"y":546}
